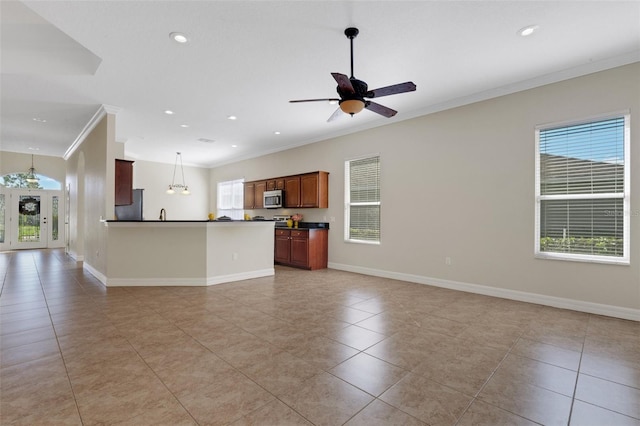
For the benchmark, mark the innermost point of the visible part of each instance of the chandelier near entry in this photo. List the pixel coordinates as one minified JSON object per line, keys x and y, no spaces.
{"x":174,"y":185}
{"x":31,"y":173}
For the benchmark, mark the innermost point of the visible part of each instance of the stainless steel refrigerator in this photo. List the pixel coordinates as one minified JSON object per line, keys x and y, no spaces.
{"x":132,"y":211}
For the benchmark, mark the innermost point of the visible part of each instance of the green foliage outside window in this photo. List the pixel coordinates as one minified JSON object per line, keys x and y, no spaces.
{"x":19,"y":180}
{"x":599,"y":246}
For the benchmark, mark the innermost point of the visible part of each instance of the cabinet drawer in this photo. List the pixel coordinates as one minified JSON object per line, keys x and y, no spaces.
{"x":281,"y":232}
{"x":299,"y":234}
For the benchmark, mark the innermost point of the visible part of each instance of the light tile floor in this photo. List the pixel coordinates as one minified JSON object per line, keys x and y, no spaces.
{"x":323,"y":347}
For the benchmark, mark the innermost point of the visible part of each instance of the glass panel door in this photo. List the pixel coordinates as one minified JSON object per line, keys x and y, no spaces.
{"x":3,"y":226}
{"x":29,"y":225}
{"x":32,"y":219}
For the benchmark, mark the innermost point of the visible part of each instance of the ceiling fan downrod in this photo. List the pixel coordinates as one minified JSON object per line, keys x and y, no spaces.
{"x":351,"y":33}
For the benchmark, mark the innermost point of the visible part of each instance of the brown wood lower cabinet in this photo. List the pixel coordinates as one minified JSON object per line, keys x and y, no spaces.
{"x":302,"y":248}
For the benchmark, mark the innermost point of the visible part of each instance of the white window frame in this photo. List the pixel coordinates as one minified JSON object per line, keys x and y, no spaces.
{"x":625,"y":195}
{"x":236,"y":212}
{"x":348,"y":203}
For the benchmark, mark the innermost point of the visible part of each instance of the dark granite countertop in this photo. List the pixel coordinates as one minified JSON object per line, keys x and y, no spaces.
{"x":278,"y":224}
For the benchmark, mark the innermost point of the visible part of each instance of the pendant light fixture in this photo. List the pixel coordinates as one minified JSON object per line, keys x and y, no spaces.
{"x":174,"y":185}
{"x":31,"y":174}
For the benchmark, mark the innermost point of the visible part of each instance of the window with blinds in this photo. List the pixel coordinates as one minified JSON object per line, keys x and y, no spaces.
{"x":231,"y":199}
{"x":362,"y":200}
{"x":582,"y":194}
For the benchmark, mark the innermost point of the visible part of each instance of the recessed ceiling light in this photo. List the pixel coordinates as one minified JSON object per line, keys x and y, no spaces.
{"x":528,"y":30}
{"x":179,"y":37}
{"x":184,"y":125}
{"x":333,"y":102}
{"x":168,"y":112}
{"x":232,"y":117}
{"x":276,"y":132}
{"x":39,"y":120}
{"x":234,"y":146}
{"x":31,"y":148}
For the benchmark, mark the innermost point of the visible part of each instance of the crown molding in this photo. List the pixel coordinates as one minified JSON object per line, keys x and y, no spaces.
{"x":99,"y":115}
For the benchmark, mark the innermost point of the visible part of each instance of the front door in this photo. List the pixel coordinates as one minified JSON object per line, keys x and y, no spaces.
{"x":36,"y":219}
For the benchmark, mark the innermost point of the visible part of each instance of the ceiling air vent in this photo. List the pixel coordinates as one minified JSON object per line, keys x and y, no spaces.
{"x":205,"y":140}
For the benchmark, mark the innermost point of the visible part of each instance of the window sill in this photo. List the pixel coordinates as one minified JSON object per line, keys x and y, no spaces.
{"x":584,"y":259}
{"x":371,"y":243}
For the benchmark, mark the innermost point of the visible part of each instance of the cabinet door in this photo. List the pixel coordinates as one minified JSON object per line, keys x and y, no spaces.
{"x":314,"y":190}
{"x":300,"y":248}
{"x":292,"y":191}
{"x":309,"y":190}
{"x":259,"y":194}
{"x":124,"y":183}
{"x":249,"y":195}
{"x":282,"y":246}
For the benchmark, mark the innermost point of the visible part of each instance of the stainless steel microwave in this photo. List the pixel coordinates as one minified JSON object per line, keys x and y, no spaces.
{"x":273,"y":199}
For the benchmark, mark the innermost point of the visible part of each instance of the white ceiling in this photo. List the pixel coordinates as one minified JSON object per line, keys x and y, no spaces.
{"x":61,"y":60}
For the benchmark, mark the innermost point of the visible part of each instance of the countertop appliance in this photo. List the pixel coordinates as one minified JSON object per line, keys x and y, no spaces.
{"x":273,"y":199}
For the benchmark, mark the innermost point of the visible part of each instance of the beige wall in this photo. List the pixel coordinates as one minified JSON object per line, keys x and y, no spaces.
{"x":13,"y":162}
{"x":90,"y":175}
{"x":460,"y":184}
{"x":155,"y":178}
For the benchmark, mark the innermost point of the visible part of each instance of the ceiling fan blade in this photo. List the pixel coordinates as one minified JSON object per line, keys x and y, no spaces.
{"x":315,"y":100}
{"x":336,"y":114}
{"x":392,"y":90}
{"x":343,"y":83}
{"x":380,"y":109}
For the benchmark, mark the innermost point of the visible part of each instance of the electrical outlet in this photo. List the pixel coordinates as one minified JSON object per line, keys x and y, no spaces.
{"x":333,"y":218}
{"x":234,"y":256}
{"x":448,"y":261}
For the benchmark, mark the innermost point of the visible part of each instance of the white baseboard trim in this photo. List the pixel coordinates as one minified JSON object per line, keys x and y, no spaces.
{"x":556,"y":302}
{"x":76,"y":257}
{"x":187,"y":282}
{"x":221,"y":279}
{"x":93,"y":271}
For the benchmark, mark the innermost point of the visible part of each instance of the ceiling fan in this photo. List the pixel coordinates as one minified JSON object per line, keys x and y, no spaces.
{"x":353,"y":91}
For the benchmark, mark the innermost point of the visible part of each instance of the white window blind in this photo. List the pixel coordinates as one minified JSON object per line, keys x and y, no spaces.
{"x":362,"y":199}
{"x":231,"y":199}
{"x":582,"y":201}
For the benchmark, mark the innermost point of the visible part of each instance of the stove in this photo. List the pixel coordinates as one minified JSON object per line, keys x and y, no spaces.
{"x":281,"y":220}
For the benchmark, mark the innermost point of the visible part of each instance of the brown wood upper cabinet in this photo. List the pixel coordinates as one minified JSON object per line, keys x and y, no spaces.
{"x":274,"y":184}
{"x":124,"y":183}
{"x":314,"y":190}
{"x":292,"y":191}
{"x":254,"y":194}
{"x":308,"y":190}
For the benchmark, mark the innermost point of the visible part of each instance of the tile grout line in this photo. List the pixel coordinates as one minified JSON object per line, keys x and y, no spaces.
{"x":64,"y":363}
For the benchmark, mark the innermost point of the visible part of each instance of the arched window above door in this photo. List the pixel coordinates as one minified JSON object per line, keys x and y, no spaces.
{"x":19,"y":180}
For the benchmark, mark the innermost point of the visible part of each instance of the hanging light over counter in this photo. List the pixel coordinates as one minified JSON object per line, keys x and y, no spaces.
{"x":183,"y":186}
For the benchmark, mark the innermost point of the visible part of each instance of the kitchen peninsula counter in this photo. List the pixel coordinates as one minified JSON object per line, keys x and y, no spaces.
{"x":187,"y":252}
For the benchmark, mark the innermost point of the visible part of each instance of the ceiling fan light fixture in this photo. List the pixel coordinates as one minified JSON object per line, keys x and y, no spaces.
{"x":352,"y":106}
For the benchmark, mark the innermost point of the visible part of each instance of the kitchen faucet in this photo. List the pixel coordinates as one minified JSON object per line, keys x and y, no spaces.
{"x":163,"y":214}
